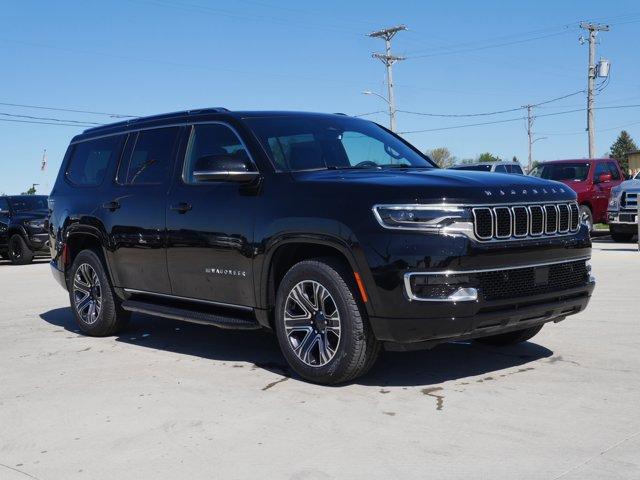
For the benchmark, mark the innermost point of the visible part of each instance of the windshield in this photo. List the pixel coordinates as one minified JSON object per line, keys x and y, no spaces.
{"x":298,"y":143}
{"x":479,"y":168}
{"x":562,"y":171}
{"x":27,"y":203}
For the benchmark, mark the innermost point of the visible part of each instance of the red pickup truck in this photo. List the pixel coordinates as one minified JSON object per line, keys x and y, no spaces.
{"x":591,"y":179}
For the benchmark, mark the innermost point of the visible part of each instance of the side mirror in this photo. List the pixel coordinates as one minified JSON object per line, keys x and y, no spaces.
{"x":223,"y":168}
{"x":604,"y":178}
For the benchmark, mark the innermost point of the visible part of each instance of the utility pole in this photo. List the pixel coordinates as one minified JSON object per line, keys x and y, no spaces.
{"x":593,"y":29}
{"x":530,"y":135}
{"x":389,"y":59}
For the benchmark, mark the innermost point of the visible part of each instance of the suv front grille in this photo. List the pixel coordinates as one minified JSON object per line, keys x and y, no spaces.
{"x":523,"y":282}
{"x":629,"y":200}
{"x":520,"y":221}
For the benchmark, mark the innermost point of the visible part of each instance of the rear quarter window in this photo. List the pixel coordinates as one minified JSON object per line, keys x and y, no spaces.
{"x":90,"y":160}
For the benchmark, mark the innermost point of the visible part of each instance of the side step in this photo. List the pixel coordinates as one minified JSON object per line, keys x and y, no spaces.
{"x":192,"y":316}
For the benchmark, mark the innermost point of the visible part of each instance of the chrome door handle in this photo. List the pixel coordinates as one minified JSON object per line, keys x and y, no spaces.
{"x":181,"y":207}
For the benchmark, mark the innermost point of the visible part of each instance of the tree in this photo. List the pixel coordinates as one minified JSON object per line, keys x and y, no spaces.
{"x":488,"y":157}
{"x":31,"y":190}
{"x":442,"y":156}
{"x":621,"y":148}
{"x":515,"y":159}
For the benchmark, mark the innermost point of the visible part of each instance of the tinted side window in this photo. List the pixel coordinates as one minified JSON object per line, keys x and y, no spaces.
{"x":150,"y":158}
{"x":90,"y":160}
{"x":516,"y":169}
{"x":501,"y":169}
{"x":615,"y":174}
{"x":207,"y":142}
{"x":600,"y":169}
{"x":4,"y":206}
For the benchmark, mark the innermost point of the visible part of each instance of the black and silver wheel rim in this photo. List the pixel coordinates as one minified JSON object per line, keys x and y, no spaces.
{"x":87,"y":294}
{"x":312,"y":323}
{"x":585,"y":218}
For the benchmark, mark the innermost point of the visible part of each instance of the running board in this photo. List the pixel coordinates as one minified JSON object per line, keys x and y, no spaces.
{"x":192,"y":316}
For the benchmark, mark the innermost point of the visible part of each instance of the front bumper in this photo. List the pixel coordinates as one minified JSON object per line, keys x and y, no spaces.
{"x":488,"y":318}
{"x":623,"y":218}
{"x":38,"y":242}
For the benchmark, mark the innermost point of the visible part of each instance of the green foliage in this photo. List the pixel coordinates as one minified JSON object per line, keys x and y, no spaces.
{"x":442,"y":156}
{"x":30,"y":191}
{"x":488,"y":157}
{"x":621,"y":148}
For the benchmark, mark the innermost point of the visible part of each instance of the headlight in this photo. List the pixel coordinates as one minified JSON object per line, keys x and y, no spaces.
{"x":427,"y":218}
{"x":37,"y":224}
{"x":613,"y":199}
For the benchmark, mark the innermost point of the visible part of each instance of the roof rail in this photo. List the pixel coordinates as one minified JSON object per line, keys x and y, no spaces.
{"x":161,"y":116}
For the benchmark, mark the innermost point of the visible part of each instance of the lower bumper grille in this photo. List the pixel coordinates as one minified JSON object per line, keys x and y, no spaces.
{"x":522,"y":282}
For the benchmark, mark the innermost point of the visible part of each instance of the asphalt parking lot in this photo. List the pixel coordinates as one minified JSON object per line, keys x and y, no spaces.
{"x":167,"y":400}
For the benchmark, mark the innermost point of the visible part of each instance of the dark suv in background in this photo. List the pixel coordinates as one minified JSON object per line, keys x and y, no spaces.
{"x":22,"y":228}
{"x":330,"y":230}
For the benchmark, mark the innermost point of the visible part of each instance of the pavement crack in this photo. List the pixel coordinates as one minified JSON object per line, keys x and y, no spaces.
{"x":588,"y":460}
{"x":19,"y":471}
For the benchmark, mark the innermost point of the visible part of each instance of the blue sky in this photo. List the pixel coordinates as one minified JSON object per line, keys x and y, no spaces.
{"x":141,"y":57}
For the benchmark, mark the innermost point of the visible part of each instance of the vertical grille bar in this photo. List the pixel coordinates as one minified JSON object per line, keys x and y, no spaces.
{"x":563,"y":218}
{"x":575,"y":217}
{"x":520,"y":221}
{"x":536,"y":223}
{"x":551,"y":219}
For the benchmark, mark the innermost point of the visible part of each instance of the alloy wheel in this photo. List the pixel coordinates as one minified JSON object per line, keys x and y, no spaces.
{"x":312,"y":323}
{"x":87,"y":294}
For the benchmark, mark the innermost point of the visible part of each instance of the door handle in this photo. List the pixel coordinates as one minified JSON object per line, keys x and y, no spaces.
{"x":181,"y":207}
{"x":111,"y":206}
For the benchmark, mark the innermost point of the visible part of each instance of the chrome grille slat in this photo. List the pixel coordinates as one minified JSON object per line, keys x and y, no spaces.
{"x":518,"y":222}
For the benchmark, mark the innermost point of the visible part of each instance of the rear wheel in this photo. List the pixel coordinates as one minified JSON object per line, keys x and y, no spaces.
{"x":586,"y":217}
{"x":96,"y":308}
{"x":620,"y":236}
{"x":510,"y":338}
{"x":19,"y":251}
{"x":321,"y":326}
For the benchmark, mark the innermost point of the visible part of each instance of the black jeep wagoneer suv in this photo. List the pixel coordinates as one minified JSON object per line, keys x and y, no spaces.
{"x":330,"y":230}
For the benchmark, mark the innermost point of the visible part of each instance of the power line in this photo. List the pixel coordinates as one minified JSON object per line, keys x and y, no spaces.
{"x":40,"y":107}
{"x":49,"y":119}
{"x":464,"y":126}
{"x":43,"y":123}
{"x":483,"y":114}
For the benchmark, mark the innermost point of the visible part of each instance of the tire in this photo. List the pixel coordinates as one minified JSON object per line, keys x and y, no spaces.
{"x":352,"y":349}
{"x":19,"y":251}
{"x":97,"y":310}
{"x":510,"y":338}
{"x":620,"y":236}
{"x":586,"y":217}
{"x":4,"y":255}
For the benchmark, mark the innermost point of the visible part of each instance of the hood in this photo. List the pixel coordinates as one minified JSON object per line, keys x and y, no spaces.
{"x":438,"y":185}
{"x":629,"y":185}
{"x":30,"y":215}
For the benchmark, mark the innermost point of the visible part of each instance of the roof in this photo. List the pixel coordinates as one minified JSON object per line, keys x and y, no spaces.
{"x":188,"y":115}
{"x":578,"y":160}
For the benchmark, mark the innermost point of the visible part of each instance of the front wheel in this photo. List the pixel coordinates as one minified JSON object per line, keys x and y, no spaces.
{"x":510,"y":338}
{"x":96,"y":308}
{"x":321,"y":326}
{"x":19,"y":251}
{"x":586,"y":217}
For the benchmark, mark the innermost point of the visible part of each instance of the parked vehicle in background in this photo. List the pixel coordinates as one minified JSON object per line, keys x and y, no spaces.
{"x":497,"y":167}
{"x":591,"y":179}
{"x":623,"y":210}
{"x":330,"y":230}
{"x":22,"y":227}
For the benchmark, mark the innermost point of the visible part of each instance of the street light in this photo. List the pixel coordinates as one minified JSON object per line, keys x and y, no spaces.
{"x":369,"y":92}
{"x":392,"y":113}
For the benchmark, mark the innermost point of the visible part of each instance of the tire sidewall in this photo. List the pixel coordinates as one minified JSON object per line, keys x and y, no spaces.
{"x":327,"y":277}
{"x":26,"y":254}
{"x":584,"y":209}
{"x":108,"y":310}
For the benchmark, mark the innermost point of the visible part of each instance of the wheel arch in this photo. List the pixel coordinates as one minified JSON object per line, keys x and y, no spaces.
{"x":287,"y":252}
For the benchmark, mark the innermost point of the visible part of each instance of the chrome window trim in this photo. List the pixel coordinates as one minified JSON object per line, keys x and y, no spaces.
{"x":189,"y":299}
{"x":412,"y":297}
